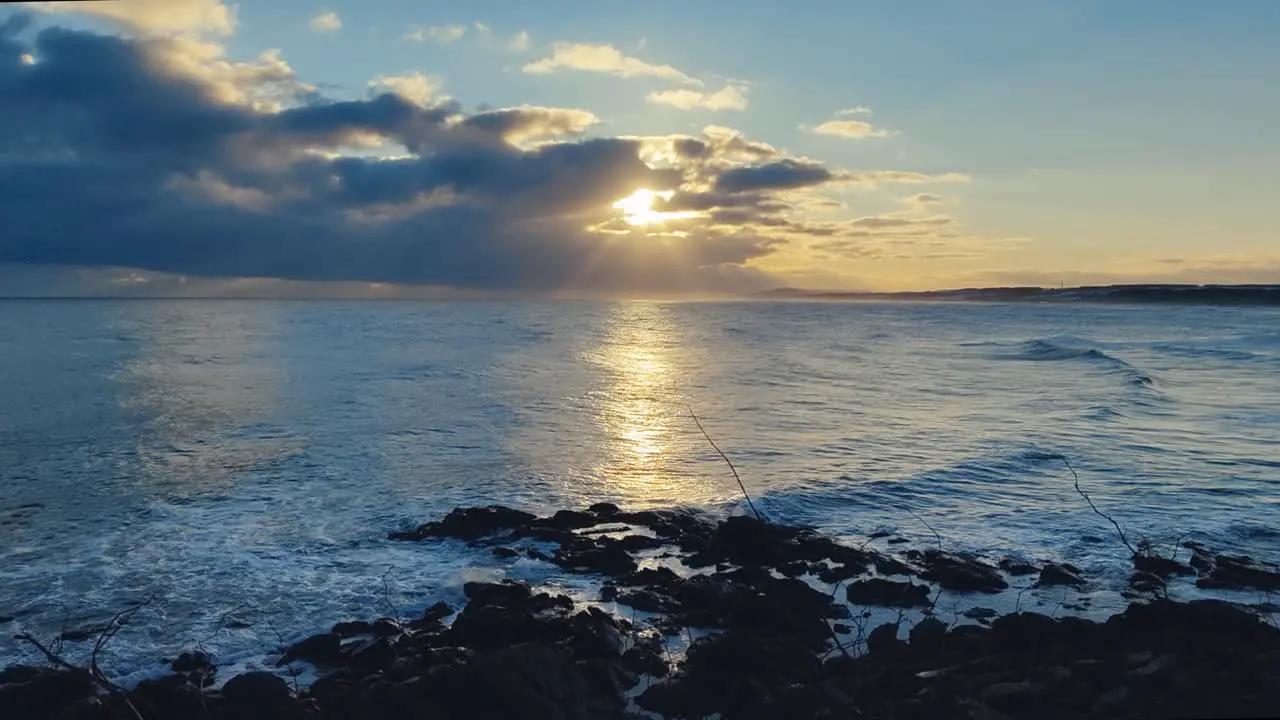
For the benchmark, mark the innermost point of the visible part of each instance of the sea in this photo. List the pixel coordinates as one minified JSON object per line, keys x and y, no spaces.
{"x":236,"y":465}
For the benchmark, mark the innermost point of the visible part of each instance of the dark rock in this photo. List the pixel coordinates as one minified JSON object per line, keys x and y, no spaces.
{"x":1058,"y":574}
{"x":897,"y":541}
{"x":660,"y":577}
{"x":886,"y":565}
{"x":322,"y":649}
{"x":536,"y":554}
{"x":6,"y":619}
{"x":1111,"y":701}
{"x":731,"y":674}
{"x":1017,"y":567}
{"x":505,"y":553}
{"x":377,"y":653}
{"x":1160,"y":567}
{"x":647,"y":656}
{"x":888,"y":593}
{"x":605,"y":509}
{"x":194,"y":663}
{"x":469,"y":524}
{"x":979,"y":613}
{"x":1146,"y":582}
{"x":795,"y":568}
{"x":1024,"y":632}
{"x":608,"y":592}
{"x":1238,"y":572}
{"x":961,"y":573}
{"x":839,"y":573}
{"x":569,"y":520}
{"x":608,"y":676}
{"x":1022,"y":699}
{"x":648,"y":601}
{"x":879,"y":534}
{"x":597,"y":634}
{"x":352,"y":628}
{"x":438,"y":612}
{"x":386,"y":627}
{"x":883,"y":641}
{"x":636,"y":543}
{"x":507,"y":592}
{"x":928,"y":636}
{"x":30,"y":692}
{"x":257,"y":690}
{"x":600,"y":556}
{"x":169,"y":697}
{"x":527,"y":682}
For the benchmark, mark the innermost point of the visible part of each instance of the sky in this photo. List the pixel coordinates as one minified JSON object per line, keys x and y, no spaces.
{"x":389,"y":148}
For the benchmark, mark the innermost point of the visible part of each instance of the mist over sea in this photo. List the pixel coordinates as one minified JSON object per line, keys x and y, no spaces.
{"x":249,"y":457}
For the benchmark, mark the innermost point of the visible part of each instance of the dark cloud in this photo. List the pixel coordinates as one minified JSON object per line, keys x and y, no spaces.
{"x":120,"y":152}
{"x":787,"y":174}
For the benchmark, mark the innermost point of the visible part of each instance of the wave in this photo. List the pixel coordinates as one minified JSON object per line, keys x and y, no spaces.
{"x":1063,"y":348}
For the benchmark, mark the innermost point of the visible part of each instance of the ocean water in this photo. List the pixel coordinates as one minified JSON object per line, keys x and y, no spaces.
{"x":239,"y":463}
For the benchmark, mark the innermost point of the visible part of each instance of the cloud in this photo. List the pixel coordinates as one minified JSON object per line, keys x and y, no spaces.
{"x":155,"y":16}
{"x":853,"y":129}
{"x":326,"y":22}
{"x":787,"y":174}
{"x":589,"y":57}
{"x":413,"y":86}
{"x":730,"y":97}
{"x":921,"y":199}
{"x":443,"y":34}
{"x":162,"y":156}
{"x":519,"y":42}
{"x":859,"y":110}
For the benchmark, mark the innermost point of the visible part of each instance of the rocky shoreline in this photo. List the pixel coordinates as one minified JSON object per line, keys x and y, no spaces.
{"x":768,"y":644}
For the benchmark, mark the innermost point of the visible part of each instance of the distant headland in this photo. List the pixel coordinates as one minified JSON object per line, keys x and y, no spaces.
{"x":1141,"y":294}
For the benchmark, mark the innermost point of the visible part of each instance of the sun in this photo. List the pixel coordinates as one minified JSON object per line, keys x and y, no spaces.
{"x":637,"y":208}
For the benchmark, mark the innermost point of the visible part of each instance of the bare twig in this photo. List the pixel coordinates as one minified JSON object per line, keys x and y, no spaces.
{"x":1120,"y":531}
{"x":386,"y":595}
{"x":222,"y":622}
{"x":936,"y":536}
{"x":293,"y":672}
{"x":1178,"y":543}
{"x":728,"y":462}
{"x":94,"y":673}
{"x":49,"y":655}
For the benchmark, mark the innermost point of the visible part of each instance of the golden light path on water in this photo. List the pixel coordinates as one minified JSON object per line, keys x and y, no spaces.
{"x":653,"y":447}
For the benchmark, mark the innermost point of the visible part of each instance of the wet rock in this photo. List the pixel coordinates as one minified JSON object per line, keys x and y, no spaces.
{"x":839,"y":573}
{"x":887,"y":593}
{"x":600,"y":556}
{"x":1054,"y":574}
{"x":897,"y":541}
{"x":647,"y":656}
{"x":886,"y":565}
{"x":608,"y":592}
{"x":1017,"y":567}
{"x":878,"y":534}
{"x":505,"y":553}
{"x":437,"y":612}
{"x":980,"y":613}
{"x":536,"y":554}
{"x":194,"y":663}
{"x":962,"y":573}
{"x":1238,"y":572}
{"x":322,"y":649}
{"x":31,"y":692}
{"x":636,"y":543}
{"x":648,"y":601}
{"x":604,"y":509}
{"x":386,"y":627}
{"x":469,"y":524}
{"x":1160,"y":567}
{"x":6,"y":619}
{"x":660,"y":577}
{"x":1145,"y":582}
{"x":1157,"y":666}
{"x":352,"y":628}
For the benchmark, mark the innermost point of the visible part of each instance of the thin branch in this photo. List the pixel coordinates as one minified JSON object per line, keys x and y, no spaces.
{"x":1123,"y":538}
{"x":728,"y":462}
{"x":49,"y":655}
{"x":936,"y":536}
